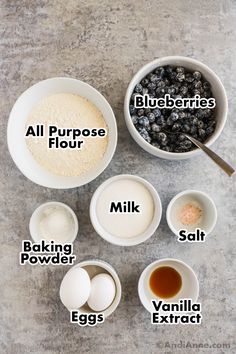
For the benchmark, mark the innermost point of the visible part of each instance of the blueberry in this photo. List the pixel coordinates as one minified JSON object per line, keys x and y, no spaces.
{"x":180,"y":77}
{"x":186,"y":144}
{"x":147,"y":138}
{"x":212,"y":123}
{"x":191,"y":110}
{"x":201,"y":89}
{"x":132,"y":109}
{"x":138,"y":88}
{"x":166,"y":148}
{"x":133,"y":96}
{"x":207,"y":94}
{"x":174,"y":116}
{"x":151,"y":117}
{"x":165,"y":112}
{"x":186,"y":128}
{"x":134,"y":119}
{"x":193,"y":130}
{"x":156,"y":144}
{"x":194,"y":120}
{"x":183,"y":90}
{"x":196,"y":92}
{"x":143,"y":121}
{"x":167,"y":82}
{"x":172,"y":76}
{"x":201,"y":133}
{"x":200,"y":124}
{"x":200,"y":113}
{"x":207,"y":113}
{"x":151,"y":86}
{"x":162,"y":137}
{"x":169,"y":121}
{"x":197,"y":85}
{"x":145,"y":91}
{"x":151,"y":95}
{"x":161,"y":120}
{"x":209,"y":130}
{"x":140,"y":112}
{"x":160,"y":71}
{"x":161,"y":83}
{"x":176,"y":87}
{"x":197,"y":75}
{"x":171,"y":90}
{"x":144,"y":134}
{"x":164,"y":143}
{"x":155,"y":128}
{"x":144,"y":82}
{"x":181,"y":137}
{"x":156,"y":112}
{"x":139,"y":128}
{"x":176,"y":127}
{"x":188,"y":115}
{"x":189,"y":77}
{"x":160,"y":91}
{"x":180,"y":70}
{"x":154,"y":78}
{"x":206,"y":86}
{"x":182,"y":115}
{"x":169,"y":69}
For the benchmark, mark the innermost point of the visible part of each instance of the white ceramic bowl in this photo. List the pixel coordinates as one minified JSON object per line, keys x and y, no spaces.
{"x":120,"y":241}
{"x":36,"y":217}
{"x":208,"y":221}
{"x":94,"y":267}
{"x":16,"y":129}
{"x":217,"y":90}
{"x":189,"y":289}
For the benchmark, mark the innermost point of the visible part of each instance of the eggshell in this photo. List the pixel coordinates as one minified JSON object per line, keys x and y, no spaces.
{"x":75,"y":288}
{"x":102,"y":294}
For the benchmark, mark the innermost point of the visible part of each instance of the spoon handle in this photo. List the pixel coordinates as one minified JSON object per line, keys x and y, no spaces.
{"x":216,"y":158}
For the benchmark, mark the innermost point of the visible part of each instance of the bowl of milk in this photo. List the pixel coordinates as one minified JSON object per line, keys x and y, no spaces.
{"x":125,"y":210}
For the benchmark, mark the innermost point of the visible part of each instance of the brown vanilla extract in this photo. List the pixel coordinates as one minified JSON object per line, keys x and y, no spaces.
{"x":165,"y":282}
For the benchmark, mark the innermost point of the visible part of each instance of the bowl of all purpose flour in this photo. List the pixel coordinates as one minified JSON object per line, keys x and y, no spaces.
{"x":61,"y":133}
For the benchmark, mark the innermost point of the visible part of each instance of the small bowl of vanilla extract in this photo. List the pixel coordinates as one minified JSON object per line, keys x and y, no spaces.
{"x":169,"y":280}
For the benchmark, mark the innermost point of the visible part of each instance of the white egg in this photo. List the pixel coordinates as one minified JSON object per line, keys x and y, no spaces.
{"x":75,"y":288}
{"x":102,"y":294}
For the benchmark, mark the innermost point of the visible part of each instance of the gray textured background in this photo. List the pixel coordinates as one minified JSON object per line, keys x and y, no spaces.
{"x":104,"y":43}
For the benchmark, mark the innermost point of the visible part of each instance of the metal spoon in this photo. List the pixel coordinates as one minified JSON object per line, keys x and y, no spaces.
{"x":216,"y":158}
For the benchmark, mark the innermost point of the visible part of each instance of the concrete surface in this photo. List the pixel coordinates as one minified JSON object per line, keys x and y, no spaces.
{"x":104,"y":43}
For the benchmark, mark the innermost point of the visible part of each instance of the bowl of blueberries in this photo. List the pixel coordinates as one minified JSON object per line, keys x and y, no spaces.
{"x":161,"y":131}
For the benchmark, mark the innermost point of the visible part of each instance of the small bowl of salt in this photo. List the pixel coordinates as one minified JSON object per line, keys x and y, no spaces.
{"x":191,"y":210}
{"x":54,"y":221}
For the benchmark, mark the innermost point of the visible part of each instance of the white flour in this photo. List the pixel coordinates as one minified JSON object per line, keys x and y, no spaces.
{"x":67,"y":111}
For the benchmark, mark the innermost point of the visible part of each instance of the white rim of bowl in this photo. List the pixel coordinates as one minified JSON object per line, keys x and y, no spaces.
{"x":136,"y":240}
{"x":142,"y":298}
{"x":134,"y":132}
{"x":40,"y":208}
{"x":106,"y":162}
{"x":114,"y":275}
{"x":179,"y":195}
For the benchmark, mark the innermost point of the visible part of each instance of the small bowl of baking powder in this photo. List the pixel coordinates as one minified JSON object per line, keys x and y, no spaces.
{"x":62,"y":133}
{"x":54,"y":221}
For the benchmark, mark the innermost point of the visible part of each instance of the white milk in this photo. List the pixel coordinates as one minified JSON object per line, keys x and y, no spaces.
{"x":125,"y":224}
